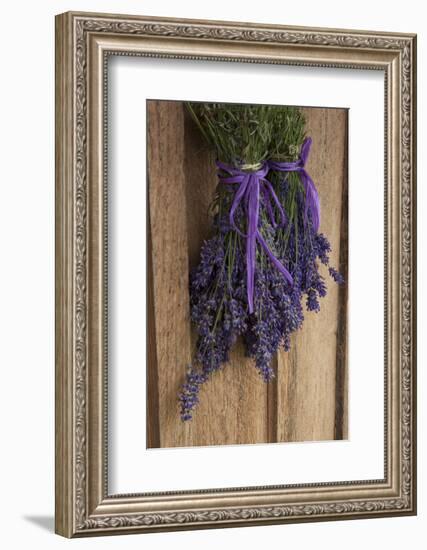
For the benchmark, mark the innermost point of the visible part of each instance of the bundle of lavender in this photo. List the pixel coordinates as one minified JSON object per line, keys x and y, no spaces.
{"x":263,"y":256}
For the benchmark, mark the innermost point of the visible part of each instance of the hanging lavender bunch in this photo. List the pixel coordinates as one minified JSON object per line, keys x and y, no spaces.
{"x":263,"y":255}
{"x":302,"y":243}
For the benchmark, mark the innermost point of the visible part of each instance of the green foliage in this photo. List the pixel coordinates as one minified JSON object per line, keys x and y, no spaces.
{"x":247,"y":135}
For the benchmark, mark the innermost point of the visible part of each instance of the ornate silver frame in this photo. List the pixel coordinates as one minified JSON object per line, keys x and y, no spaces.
{"x":83,"y":42}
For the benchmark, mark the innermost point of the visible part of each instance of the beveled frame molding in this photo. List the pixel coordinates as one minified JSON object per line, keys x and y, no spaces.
{"x":83,"y":43}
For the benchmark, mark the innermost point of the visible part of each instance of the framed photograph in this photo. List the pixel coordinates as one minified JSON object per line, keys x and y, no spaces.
{"x":235,"y":274}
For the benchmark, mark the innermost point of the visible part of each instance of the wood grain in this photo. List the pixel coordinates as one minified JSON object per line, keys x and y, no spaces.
{"x":169,"y":263}
{"x":307,"y":400}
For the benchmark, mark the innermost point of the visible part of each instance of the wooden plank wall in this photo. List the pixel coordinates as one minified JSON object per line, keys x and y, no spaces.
{"x":307,"y":401}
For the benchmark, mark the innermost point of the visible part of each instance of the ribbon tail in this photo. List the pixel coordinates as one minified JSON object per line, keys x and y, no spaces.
{"x":277,"y":264}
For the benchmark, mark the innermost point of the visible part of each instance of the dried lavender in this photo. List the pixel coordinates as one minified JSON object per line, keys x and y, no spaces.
{"x":305,"y":248}
{"x":263,"y":305}
{"x":218,"y":309}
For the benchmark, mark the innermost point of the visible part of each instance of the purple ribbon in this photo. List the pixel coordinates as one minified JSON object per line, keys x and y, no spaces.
{"x":248,"y":192}
{"x":312,"y":202}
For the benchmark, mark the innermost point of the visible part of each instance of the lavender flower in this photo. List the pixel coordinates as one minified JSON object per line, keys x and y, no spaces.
{"x":277,"y":313}
{"x":304,"y":247}
{"x":189,"y":395}
{"x":218,"y":309}
{"x":337,"y":277}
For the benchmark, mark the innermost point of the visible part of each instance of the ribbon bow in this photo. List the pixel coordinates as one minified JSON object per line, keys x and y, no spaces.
{"x":312,"y":202}
{"x":248,"y":192}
